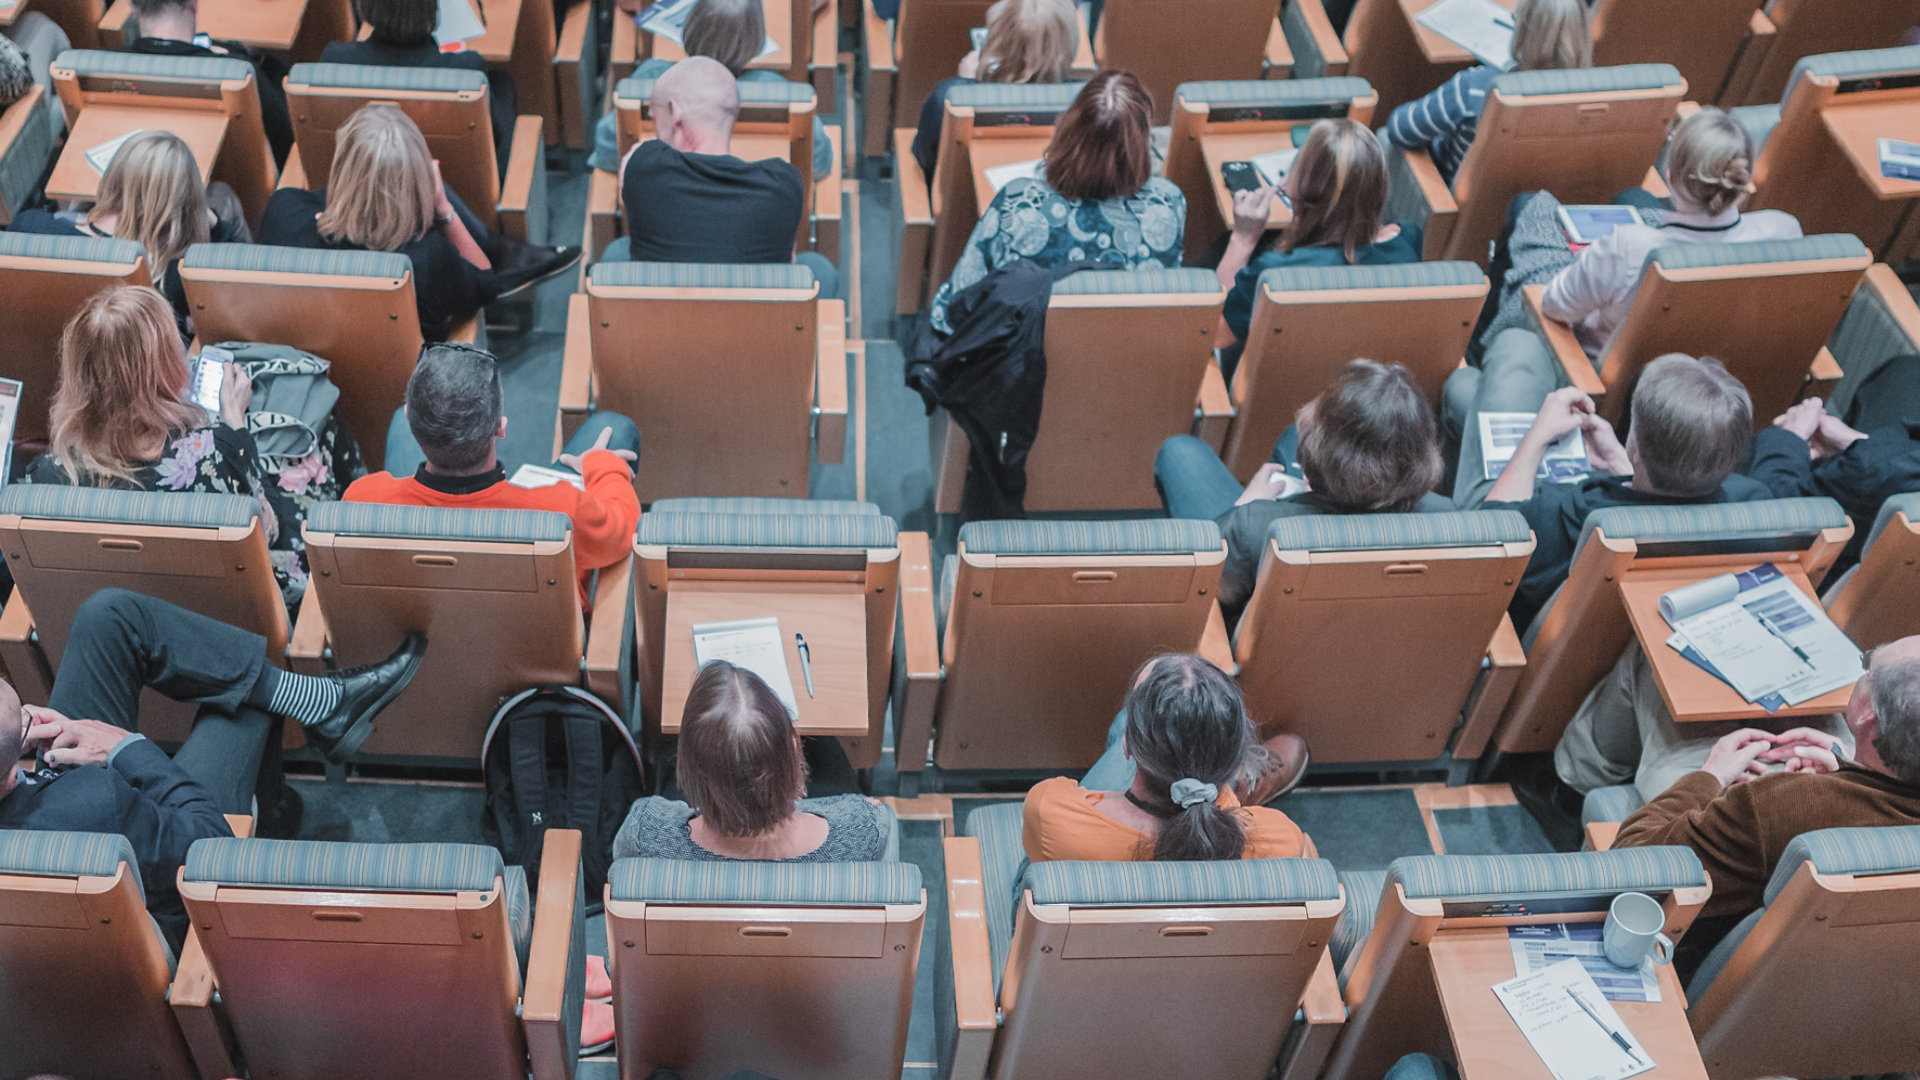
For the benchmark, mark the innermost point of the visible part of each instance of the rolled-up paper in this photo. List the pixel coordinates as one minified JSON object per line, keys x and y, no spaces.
{"x":1700,"y":596}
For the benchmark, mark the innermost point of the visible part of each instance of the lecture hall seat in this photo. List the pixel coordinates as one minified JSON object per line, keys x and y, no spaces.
{"x":26,"y":149}
{"x":1167,"y":42}
{"x":1878,"y":601}
{"x":46,"y":280}
{"x":906,"y":57}
{"x":1784,"y":32}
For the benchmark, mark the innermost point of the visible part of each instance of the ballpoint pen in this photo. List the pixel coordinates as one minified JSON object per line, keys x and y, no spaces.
{"x":806,"y":661}
{"x":1611,"y":1034}
{"x":1766,"y":623}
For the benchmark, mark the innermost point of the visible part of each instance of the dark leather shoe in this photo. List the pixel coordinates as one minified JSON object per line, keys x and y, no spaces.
{"x":364,"y":691}
{"x":1271,"y":769}
{"x":522,"y":266}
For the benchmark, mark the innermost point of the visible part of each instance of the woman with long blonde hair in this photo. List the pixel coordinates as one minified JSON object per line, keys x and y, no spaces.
{"x":1028,"y":41}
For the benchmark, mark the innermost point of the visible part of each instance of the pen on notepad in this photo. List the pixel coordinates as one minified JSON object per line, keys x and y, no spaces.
{"x":1611,"y":1034}
{"x":806,"y":661}
{"x":1766,"y":623}
{"x":1505,"y":22}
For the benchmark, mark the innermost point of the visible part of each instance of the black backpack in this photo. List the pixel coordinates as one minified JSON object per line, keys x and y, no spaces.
{"x":555,"y":757}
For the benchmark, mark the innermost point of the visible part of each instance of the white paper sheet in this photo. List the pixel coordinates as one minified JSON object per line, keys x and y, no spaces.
{"x":99,"y":157}
{"x":1000,"y":176}
{"x":539,"y":476}
{"x":9,"y":414}
{"x":1763,"y":635}
{"x":1565,"y":461}
{"x":754,"y":644}
{"x":1545,"y":944}
{"x":1481,"y":27}
{"x":1273,"y":166}
{"x":458,"y":22}
{"x":1572,"y":1044}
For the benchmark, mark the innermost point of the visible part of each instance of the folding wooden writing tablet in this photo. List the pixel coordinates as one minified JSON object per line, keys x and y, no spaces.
{"x":1436,"y":48}
{"x":832,"y":615}
{"x":1858,"y":127}
{"x":73,"y":178}
{"x":1691,"y":694}
{"x":1218,"y":148}
{"x":1489,"y":1045}
{"x":779,"y":16}
{"x":990,"y":149}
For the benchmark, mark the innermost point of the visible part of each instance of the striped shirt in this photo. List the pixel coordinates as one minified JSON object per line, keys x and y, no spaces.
{"x":1443,"y":122}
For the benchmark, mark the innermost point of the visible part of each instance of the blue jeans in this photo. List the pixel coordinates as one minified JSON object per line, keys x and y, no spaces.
{"x":404,"y":456}
{"x":1114,"y":770}
{"x":823,"y":269}
{"x":1194,"y":483}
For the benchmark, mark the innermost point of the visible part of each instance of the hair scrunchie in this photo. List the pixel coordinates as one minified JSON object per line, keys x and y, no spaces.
{"x":1189,"y":792}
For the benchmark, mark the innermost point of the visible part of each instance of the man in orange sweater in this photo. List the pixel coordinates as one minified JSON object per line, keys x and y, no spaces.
{"x":452,"y":419}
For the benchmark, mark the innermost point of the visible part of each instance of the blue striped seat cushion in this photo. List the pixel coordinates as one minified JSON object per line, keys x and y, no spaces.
{"x":658,"y":275}
{"x":314,"y":864}
{"x":769,"y":530}
{"x":1374,"y":532}
{"x":759,"y":504}
{"x":1444,"y":877}
{"x":1759,"y":252}
{"x":1600,"y":80}
{"x":437,"y":522}
{"x":96,"y":249}
{"x":519,"y":912}
{"x":1908,"y":504}
{"x":1758,"y":121}
{"x":1889,"y":849}
{"x":1003,"y":862}
{"x":184,"y":509}
{"x":1610,"y":804}
{"x":1420,"y":275}
{"x":1142,"y":282}
{"x":1762,"y":519}
{"x":1356,"y":922}
{"x":1237,"y":881}
{"x":38,"y":853}
{"x":1153,"y":536}
{"x":853,"y":884}
{"x":213,"y":69}
{"x":436,"y":80}
{"x":1013,"y":97}
{"x":1280,"y":92}
{"x":1864,"y":63}
{"x":265,"y":259}
{"x":752,"y":91}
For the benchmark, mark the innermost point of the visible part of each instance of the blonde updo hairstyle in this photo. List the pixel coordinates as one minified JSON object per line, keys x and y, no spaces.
{"x":1710,"y":163}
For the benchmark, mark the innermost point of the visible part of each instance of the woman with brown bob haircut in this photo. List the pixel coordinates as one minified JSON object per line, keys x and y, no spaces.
{"x":1337,"y":187}
{"x":745,"y":778}
{"x":1094,"y":197}
{"x":1369,"y":444}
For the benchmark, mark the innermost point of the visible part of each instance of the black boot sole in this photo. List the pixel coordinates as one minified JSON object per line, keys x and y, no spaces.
{"x":548,"y":276}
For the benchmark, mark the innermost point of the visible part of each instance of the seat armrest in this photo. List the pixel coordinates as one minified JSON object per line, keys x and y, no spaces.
{"x":608,"y":636}
{"x":112,"y":26}
{"x":1563,"y":345}
{"x":1506,"y":662}
{"x":307,"y":648}
{"x":573,"y":74}
{"x":1601,"y":834}
{"x":20,"y":653}
{"x":576,"y":367}
{"x":830,"y":383}
{"x":1753,"y":57}
{"x":1317,"y":51}
{"x":919,"y":690}
{"x":881,"y":72}
{"x":603,"y":215}
{"x":974,"y":1011}
{"x":1824,"y":374}
{"x":827,"y":209}
{"x":1416,"y":193}
{"x":1279,"y":55}
{"x":915,"y":206}
{"x":554,"y":988}
{"x":294,"y":173}
{"x":1323,"y":1012}
{"x":202,"y":1021}
{"x":824,"y":65}
{"x":523,"y":191}
{"x":241,"y":824}
{"x":1214,"y":412}
{"x":1216,"y":645}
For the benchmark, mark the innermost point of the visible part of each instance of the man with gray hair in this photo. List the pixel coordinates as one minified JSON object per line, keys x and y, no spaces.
{"x":1738,"y":814}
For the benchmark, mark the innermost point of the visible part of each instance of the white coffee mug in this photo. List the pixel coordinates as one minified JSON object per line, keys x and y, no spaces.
{"x":1632,"y":933}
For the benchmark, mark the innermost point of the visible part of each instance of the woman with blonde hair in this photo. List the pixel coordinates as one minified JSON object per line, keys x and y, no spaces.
{"x":1548,"y":35}
{"x":1337,"y":187}
{"x":151,"y":194}
{"x":1028,"y":41}
{"x":384,"y":193}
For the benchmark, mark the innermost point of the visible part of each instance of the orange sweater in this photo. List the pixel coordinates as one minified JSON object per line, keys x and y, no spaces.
{"x":1060,"y":822}
{"x":604,"y":516}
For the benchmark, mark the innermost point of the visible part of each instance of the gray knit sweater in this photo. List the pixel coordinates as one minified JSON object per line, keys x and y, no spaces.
{"x":656,"y":828}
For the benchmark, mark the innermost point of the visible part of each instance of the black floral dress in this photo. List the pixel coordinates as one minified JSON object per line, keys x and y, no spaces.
{"x":224,"y":460}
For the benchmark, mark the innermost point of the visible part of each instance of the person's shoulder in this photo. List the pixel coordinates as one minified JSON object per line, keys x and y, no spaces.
{"x":382,"y":487}
{"x":1163,"y":189}
{"x":652,"y":68}
{"x":1773,"y":223}
{"x":1738,"y":487}
{"x":1055,"y":792}
{"x":44,"y":222}
{"x":1271,"y":833}
{"x":1431,"y":503}
{"x":290,"y":210}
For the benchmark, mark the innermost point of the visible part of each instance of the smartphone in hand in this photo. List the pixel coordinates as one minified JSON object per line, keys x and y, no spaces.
{"x":209,"y":369}
{"x":1241,"y":176}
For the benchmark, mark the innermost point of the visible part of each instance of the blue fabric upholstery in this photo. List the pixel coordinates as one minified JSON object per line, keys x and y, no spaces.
{"x":1013,"y":97}
{"x":1437,"y":877}
{"x":1356,"y":922}
{"x":1420,"y":275}
{"x":1610,"y":804}
{"x":752,"y":91}
{"x":313,"y":864}
{"x":26,"y":156}
{"x":1758,"y":121}
{"x":1238,"y":881}
{"x":1003,"y":862}
{"x":265,"y":259}
{"x":181,"y":509}
{"x":1757,"y":252}
{"x":95,"y":249}
{"x":1374,"y":532}
{"x":1889,"y":849}
{"x":1278,"y":92}
{"x":1600,"y":80}
{"x":1145,"y":281}
{"x":756,"y":504}
{"x":1731,"y":522}
{"x":432,"y":80}
{"x":437,"y":522}
{"x":857,"y":884}
{"x":35,"y":853}
{"x":1864,"y":63}
{"x":1151,"y":536}
{"x":150,"y":66}
{"x":658,"y":275}
{"x":769,"y":530}
{"x":519,"y":913}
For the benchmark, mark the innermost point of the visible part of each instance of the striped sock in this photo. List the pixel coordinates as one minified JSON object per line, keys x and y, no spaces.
{"x":306,"y":698}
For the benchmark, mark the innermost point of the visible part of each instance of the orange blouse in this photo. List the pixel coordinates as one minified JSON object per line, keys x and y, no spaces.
{"x":1061,"y":822}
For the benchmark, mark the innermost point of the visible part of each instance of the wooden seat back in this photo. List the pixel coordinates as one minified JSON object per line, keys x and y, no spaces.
{"x":1167,"y":42}
{"x":47,"y":279}
{"x":1805,"y":28}
{"x":929,"y":38}
{"x":986,"y":124}
{"x":1876,"y":602}
{"x":1641,"y":32}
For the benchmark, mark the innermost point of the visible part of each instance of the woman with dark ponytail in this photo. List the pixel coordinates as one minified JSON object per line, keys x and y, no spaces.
{"x":1187,"y":735}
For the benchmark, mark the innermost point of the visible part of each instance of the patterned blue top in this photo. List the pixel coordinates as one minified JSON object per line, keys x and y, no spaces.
{"x":1443,"y":122}
{"x":1029,"y":220}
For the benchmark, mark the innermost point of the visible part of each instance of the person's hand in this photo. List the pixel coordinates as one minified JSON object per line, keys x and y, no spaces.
{"x":1250,"y":211}
{"x":1269,"y":482}
{"x":1805,"y":750}
{"x":1604,"y":451}
{"x":64,"y":741}
{"x":572,"y":461}
{"x":1565,"y":410}
{"x":1803,"y":419}
{"x":442,"y":206}
{"x":1833,"y":437}
{"x":236,"y":393}
{"x":970,"y":65}
{"x":1731,"y":757}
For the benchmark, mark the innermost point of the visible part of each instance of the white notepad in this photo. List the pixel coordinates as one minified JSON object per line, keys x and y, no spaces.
{"x":539,"y":476}
{"x":1565,"y":461}
{"x":99,"y":157}
{"x":1481,"y":27}
{"x":9,"y":413}
{"x":458,"y":22}
{"x":754,"y":644}
{"x":1000,"y":176}
{"x":1573,"y":1044}
{"x":1273,"y":166}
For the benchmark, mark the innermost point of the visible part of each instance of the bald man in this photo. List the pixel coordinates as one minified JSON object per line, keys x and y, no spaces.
{"x":690,"y":200}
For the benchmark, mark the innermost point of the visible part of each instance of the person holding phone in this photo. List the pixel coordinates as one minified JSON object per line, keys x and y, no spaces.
{"x":1024,"y":41}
